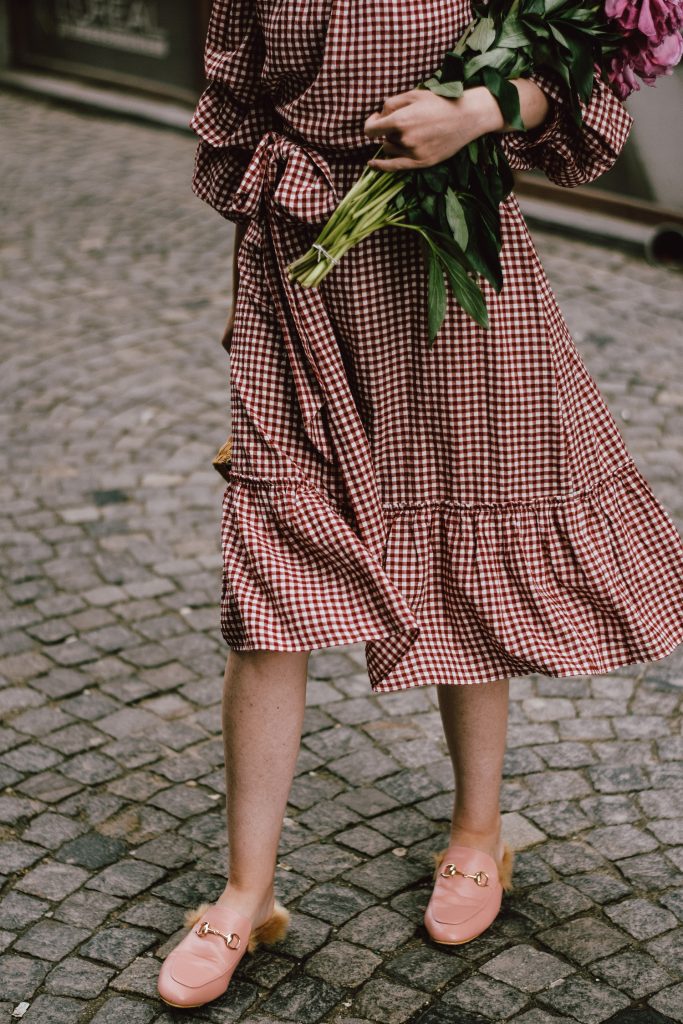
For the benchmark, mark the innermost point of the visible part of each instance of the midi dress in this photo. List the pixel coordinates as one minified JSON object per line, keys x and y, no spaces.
{"x":469,"y":509}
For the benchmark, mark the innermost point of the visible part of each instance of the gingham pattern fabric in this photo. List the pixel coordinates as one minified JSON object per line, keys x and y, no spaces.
{"x":470,"y":511}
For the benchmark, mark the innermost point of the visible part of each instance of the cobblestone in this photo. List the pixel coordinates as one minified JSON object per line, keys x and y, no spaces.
{"x":111,"y":658}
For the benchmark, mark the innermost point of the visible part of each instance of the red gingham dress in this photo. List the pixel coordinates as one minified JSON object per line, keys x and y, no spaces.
{"x":469,"y":511}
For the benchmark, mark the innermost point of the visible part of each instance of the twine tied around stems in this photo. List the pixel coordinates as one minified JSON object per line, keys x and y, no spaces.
{"x":323,"y":252}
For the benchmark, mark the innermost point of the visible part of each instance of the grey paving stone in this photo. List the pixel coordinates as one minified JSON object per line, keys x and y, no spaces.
{"x":118,"y":1009}
{"x":363,"y":766}
{"x":600,"y":887}
{"x":140,"y":979}
{"x":668,"y":950}
{"x":13,"y":809}
{"x":404,"y":825}
{"x":183,"y":801}
{"x":425,"y":968}
{"x":641,"y":918}
{"x":388,"y":1002}
{"x":378,"y":929}
{"x":92,"y":850}
{"x":17,"y":911}
{"x":633,"y":972}
{"x":616,"y":841}
{"x":321,"y":861}
{"x":74,"y":738}
{"x":20,"y":976}
{"x":384,"y":875}
{"x":31,"y":757}
{"x":49,"y":1009}
{"x":154,"y":913}
{"x":326,"y":817}
{"x":190,"y":888}
{"x":561,"y":818}
{"x":79,"y":978}
{"x":610,"y":810}
{"x":584,"y":939}
{"x":49,"y":787}
{"x":52,"y":881}
{"x":564,"y":900}
{"x":486,"y":996}
{"x":303,"y":999}
{"x":650,"y":870}
{"x":407,"y":786}
{"x":126,"y":878}
{"x":368,"y":800}
{"x":305,"y":935}
{"x":343,"y":964}
{"x":52,"y":830}
{"x":364,"y":840}
{"x":17,"y":854}
{"x":86,"y":908}
{"x":586,"y":1001}
{"x":333,"y":902}
{"x":669,"y":1002}
{"x":571,"y":858}
{"x":91,"y":768}
{"x":618,"y":778}
{"x":116,"y":945}
{"x":527,"y":968}
{"x":50,"y":940}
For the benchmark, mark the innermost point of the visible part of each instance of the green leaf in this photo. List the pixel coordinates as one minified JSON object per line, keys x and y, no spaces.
{"x":482,"y":36}
{"x":435,"y":177}
{"x":581,"y":63}
{"x":466,"y":291}
{"x":513,"y":34}
{"x":452,"y":90}
{"x":455,"y":215}
{"x":436,"y":293}
{"x":496,"y":58}
{"x":507,"y":96}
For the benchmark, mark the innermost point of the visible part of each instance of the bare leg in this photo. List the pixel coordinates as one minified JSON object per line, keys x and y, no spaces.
{"x":474,"y":718}
{"x":264,"y":699}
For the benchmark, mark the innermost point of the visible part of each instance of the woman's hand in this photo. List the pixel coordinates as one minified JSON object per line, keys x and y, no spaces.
{"x":420,"y":128}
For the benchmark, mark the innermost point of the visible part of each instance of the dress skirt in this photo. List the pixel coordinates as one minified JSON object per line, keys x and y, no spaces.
{"x":469,"y":510}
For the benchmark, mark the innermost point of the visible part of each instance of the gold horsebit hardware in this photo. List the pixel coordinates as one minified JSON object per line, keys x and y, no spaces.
{"x":206,"y":929}
{"x":477,"y":876}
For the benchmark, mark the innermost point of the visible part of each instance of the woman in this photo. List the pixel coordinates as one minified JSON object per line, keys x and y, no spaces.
{"x":469,"y":510}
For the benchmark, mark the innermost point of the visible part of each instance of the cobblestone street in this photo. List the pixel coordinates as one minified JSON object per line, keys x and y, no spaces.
{"x":114,"y":284}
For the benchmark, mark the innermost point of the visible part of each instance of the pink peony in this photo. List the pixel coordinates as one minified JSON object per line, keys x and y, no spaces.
{"x":651,"y":41}
{"x":654,"y":19}
{"x":669,"y":52}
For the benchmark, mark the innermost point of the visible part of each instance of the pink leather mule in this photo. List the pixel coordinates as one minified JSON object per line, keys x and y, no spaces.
{"x":200,"y":967}
{"x":467,"y":893}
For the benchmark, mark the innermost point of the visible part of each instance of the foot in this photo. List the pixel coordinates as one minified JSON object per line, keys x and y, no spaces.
{"x":201,"y":966}
{"x":471,"y":874}
{"x":258,"y":907}
{"x":489,"y":840}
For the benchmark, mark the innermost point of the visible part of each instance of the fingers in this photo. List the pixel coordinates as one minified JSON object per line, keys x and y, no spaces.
{"x":399,"y":164}
{"x":388,"y":121}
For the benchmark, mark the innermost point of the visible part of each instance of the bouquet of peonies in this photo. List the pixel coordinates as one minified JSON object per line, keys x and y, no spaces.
{"x":453,"y":205}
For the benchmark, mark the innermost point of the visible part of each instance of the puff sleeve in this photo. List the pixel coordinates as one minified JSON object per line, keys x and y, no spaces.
{"x":570,"y":155}
{"x":235,"y":110}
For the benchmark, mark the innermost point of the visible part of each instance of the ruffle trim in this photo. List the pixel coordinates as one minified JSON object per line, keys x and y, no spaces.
{"x":572,"y":584}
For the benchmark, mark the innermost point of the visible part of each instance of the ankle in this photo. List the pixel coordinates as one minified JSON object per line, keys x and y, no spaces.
{"x":480,"y":825}
{"x":481,"y":834}
{"x":254,"y":903}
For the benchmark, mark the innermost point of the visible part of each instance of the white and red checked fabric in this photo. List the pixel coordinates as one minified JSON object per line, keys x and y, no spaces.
{"x":470,"y":511}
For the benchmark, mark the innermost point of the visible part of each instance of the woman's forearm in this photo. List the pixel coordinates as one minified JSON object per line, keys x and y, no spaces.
{"x":533,"y":106}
